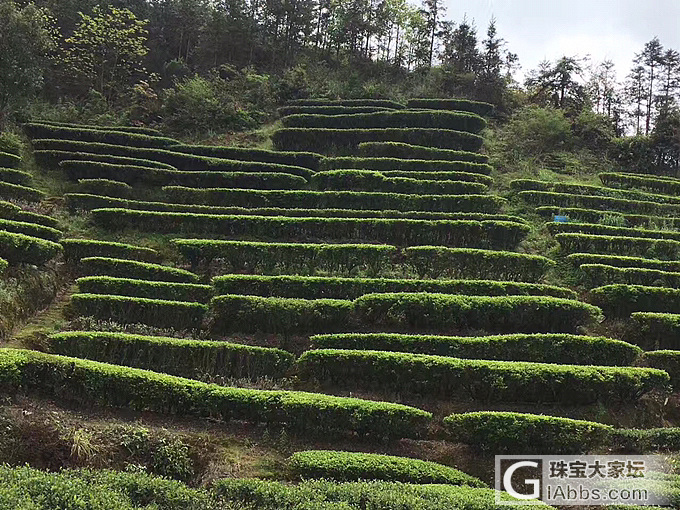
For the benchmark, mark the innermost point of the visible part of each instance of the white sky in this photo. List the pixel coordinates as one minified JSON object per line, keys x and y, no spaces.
{"x":538,"y":30}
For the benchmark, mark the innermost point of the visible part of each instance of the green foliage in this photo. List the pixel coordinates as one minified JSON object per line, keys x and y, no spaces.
{"x":621,"y":261}
{"x":19,"y":192}
{"x":608,"y":230}
{"x":653,"y":184}
{"x":89,"y":383}
{"x":349,"y":466}
{"x":405,"y":151}
{"x":8,"y":160}
{"x":11,"y":143}
{"x":3,"y":265}
{"x":380,"y":103}
{"x":393,"y":163}
{"x":658,"y":330}
{"x":144,"y":288}
{"x":628,"y":246}
{"x":620,"y":300}
{"x":30,"y":229}
{"x":634,"y":153}
{"x":328,"y":110}
{"x":611,"y":218}
{"x":440,"y":176}
{"x":318,"y":287}
{"x":326,"y":139}
{"x":517,"y":433}
{"x":497,"y":381}
{"x":159,"y":313}
{"x":105,"y":187}
{"x":544,"y":198}
{"x":599,"y":274}
{"x":463,"y":105}
{"x":76,"y":249}
{"x":50,"y":159}
{"x":20,"y":248}
{"x":308,"y":160}
{"x":185,"y":358}
{"x":36,"y":130}
{"x":369,"y":180}
{"x":121,"y":268}
{"x":125,"y":129}
{"x":15,"y":176}
{"x":540,"y":347}
{"x":335,"y":199}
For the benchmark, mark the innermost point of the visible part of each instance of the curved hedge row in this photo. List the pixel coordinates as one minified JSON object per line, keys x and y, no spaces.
{"x":181,"y":357}
{"x":608,"y":230}
{"x":30,"y":229}
{"x":3,"y":265}
{"x":324,"y":139}
{"x":440,"y":176}
{"x":597,"y":275}
{"x":89,"y":383}
{"x":8,"y":160}
{"x":123,"y":268}
{"x":335,"y":199}
{"x":540,"y":347}
{"x":658,"y":330}
{"x":125,"y":129}
{"x":651,"y":183}
{"x":392,"y":163}
{"x":519,"y":433}
{"x":49,"y":159}
{"x":458,"y":379}
{"x":179,"y":315}
{"x":37,"y":130}
{"x":319,"y":287}
{"x":612,"y":217}
{"x":620,"y":300}
{"x":399,"y":312}
{"x":666,"y":360}
{"x":76,"y":249}
{"x":297,"y":159}
{"x":105,"y":187}
{"x":621,"y":261}
{"x":596,"y":202}
{"x":15,"y":176}
{"x":464,"y":105}
{"x":383,"y":103}
{"x":76,"y":170}
{"x":12,"y":211}
{"x":170,"y":291}
{"x":369,"y":180}
{"x":628,"y":246}
{"x":19,"y":192}
{"x":351,"y":466}
{"x":406,"y":151}
{"x":329,"y":110}
{"x":20,"y":248}
{"x":478,"y":234}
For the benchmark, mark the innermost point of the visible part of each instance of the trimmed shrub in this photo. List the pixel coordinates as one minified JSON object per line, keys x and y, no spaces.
{"x":458,"y":379}
{"x":19,"y":192}
{"x":608,"y":230}
{"x":185,"y":358}
{"x":351,"y":466}
{"x":89,"y":383}
{"x":324,"y":139}
{"x":619,"y":261}
{"x":15,"y":176}
{"x":648,"y":440}
{"x":628,"y":246}
{"x":121,"y":268}
{"x":657,"y":330}
{"x":382,"y":103}
{"x":124,"y":129}
{"x":609,"y":217}
{"x":82,"y":134}
{"x":300,"y":159}
{"x":40,"y":219}
{"x":467,"y":122}
{"x":620,"y":300}
{"x":477,"y":234}
{"x":329,"y":110}
{"x":77,"y":170}
{"x":519,"y":433}
{"x":596,"y":275}
{"x":666,"y":360}
{"x":51,"y":158}
{"x":105,"y":187}
{"x":3,"y":265}
{"x":541,"y":348}
{"x":440,"y":176}
{"x":288,"y":257}
{"x":8,"y":160}
{"x":368,"y":180}
{"x":438,"y":261}
{"x":170,"y":291}
{"x":318,"y":287}
{"x":20,"y":248}
{"x":650,"y":183}
{"x":407,"y":151}
{"x":76,"y":249}
{"x":30,"y":229}
{"x":335,"y":199}
{"x":158,"y":313}
{"x":463,"y":105}
{"x":544,"y":198}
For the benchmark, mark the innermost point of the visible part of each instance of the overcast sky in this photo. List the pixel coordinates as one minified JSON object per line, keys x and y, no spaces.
{"x":548,"y":29}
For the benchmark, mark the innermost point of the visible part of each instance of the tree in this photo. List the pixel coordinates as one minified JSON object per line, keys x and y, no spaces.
{"x":433,"y":11}
{"x":650,"y":58}
{"x":670,"y":78}
{"x":557,"y":84}
{"x":26,"y":42}
{"x":635,"y":92}
{"x":106,"y":50}
{"x":460,"y":49}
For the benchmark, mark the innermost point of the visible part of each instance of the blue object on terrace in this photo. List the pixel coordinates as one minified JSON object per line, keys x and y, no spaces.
{"x":561,"y":219}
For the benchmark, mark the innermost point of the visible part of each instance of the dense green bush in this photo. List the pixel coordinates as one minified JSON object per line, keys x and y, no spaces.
{"x":392,"y":163}
{"x":3,"y":265}
{"x":611,"y":217}
{"x":459,"y":121}
{"x":324,"y":139}
{"x":40,"y":219}
{"x":621,"y":261}
{"x":609,"y":230}
{"x":20,"y":248}
{"x":159,"y":313}
{"x":437,"y":261}
{"x":15,"y":176}
{"x":620,"y":300}
{"x":89,"y":383}
{"x":185,"y":358}
{"x":43,"y":131}
{"x":382,"y":103}
{"x":288,"y":257}
{"x":463,"y":105}
{"x":30,"y":229}
{"x":657,"y":330}
{"x":649,"y":183}
{"x":299,"y":159}
{"x":329,"y":110}
{"x":50,"y":159}
{"x":123,"y":268}
{"x":8,"y":160}
{"x":596,"y":275}
{"x":458,"y":379}
{"x":460,"y":233}
{"x":369,"y":180}
{"x":518,"y":433}
{"x":351,"y":466}
{"x":666,"y":360}
{"x":647,"y":440}
{"x":76,"y":249}
{"x":544,"y":198}
{"x":19,"y":192}
{"x":407,"y":151}
{"x":124,"y":129}
{"x":440,"y":176}
{"x":335,"y":199}
{"x":541,"y":348}
{"x":627,"y":246}
{"x":144,"y":288}
{"x":105,"y":187}
{"x":318,"y":287}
